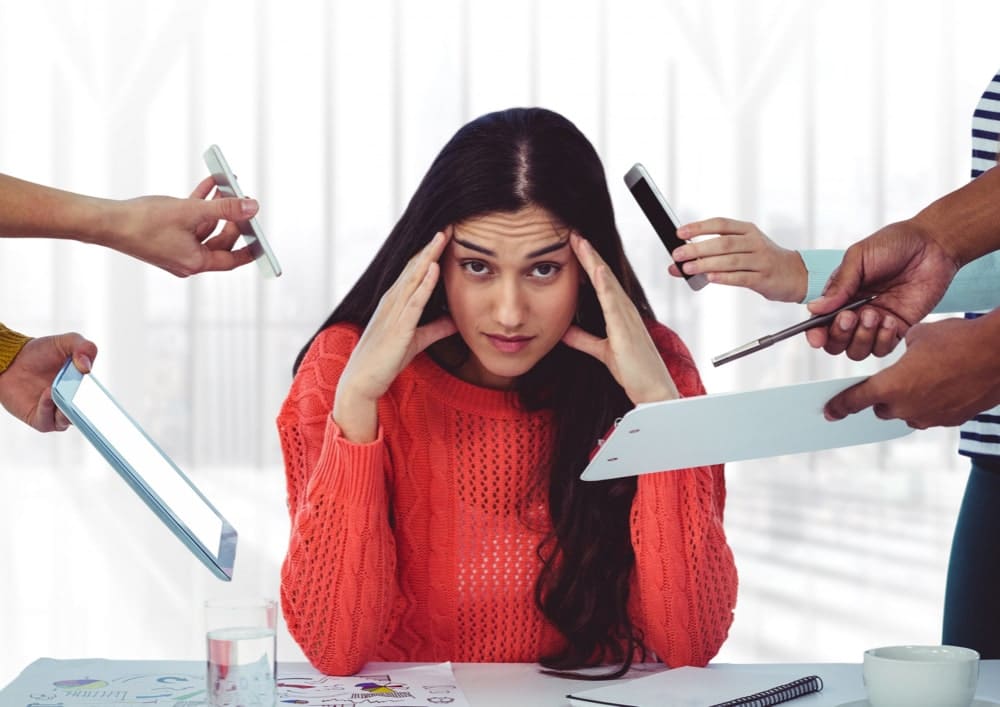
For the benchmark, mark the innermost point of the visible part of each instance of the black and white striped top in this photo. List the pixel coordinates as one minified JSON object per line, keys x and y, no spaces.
{"x":980,"y":436}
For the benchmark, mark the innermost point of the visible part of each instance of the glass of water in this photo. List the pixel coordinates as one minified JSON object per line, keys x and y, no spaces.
{"x":240,"y":640}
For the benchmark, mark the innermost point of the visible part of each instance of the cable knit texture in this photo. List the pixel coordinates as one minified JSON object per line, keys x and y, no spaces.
{"x":421,"y":546}
{"x":11,"y":344}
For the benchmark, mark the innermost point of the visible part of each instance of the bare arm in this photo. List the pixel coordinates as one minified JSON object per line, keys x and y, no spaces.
{"x":170,"y":233}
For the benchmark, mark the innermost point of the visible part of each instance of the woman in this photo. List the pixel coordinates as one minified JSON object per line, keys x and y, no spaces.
{"x":439,"y":421}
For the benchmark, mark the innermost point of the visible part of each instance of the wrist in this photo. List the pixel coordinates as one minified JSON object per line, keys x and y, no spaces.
{"x":798,"y":277}
{"x":104,"y":222}
{"x":964,"y":223}
{"x":355,"y":414}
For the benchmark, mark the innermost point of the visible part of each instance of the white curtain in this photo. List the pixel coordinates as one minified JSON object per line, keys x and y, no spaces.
{"x":820,"y":121}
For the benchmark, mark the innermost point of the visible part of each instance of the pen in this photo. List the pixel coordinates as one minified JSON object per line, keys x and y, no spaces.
{"x":765,"y":341}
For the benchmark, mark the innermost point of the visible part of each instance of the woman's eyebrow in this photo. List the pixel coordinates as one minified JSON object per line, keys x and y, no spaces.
{"x":533,"y":254}
{"x":473,"y":246}
{"x":548,"y":249}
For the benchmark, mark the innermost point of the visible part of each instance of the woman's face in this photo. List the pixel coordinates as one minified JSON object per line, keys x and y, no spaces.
{"x":512,"y":284}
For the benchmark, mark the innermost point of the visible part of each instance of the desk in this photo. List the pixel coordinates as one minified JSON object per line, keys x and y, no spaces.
{"x":521,"y":684}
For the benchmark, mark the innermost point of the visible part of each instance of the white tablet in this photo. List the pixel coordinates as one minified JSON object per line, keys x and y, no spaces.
{"x":729,"y":427}
{"x":144,"y":466}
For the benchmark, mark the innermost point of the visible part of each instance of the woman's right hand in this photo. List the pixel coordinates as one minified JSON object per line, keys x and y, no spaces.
{"x":742,"y":256}
{"x":390,"y":341}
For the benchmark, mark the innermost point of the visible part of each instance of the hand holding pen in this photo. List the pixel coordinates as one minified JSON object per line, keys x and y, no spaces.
{"x":765,"y":341}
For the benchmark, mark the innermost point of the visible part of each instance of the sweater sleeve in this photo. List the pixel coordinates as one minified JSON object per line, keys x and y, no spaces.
{"x":975,"y":287}
{"x":337,"y":580}
{"x":684,"y":589}
{"x":11,"y":344}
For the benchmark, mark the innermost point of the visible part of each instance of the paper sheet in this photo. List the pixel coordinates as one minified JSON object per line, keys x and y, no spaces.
{"x":87,"y":683}
{"x":727,"y":427}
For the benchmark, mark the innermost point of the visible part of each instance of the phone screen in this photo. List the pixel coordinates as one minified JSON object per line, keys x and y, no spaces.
{"x":657,"y":215}
{"x":660,"y":217}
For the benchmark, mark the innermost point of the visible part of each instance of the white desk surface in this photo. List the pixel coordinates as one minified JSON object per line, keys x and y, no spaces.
{"x":521,"y":684}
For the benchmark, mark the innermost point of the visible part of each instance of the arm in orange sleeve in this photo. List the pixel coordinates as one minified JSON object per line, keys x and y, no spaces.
{"x":338,"y":577}
{"x":685,"y":576}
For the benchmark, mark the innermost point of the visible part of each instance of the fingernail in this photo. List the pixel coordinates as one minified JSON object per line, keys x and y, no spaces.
{"x":83,"y":363}
{"x":249,"y":206}
{"x":869,"y":319}
{"x":888,"y":323}
{"x":680,"y":253}
{"x":844,"y":324}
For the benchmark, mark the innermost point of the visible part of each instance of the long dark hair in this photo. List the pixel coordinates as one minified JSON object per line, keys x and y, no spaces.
{"x":503,"y":162}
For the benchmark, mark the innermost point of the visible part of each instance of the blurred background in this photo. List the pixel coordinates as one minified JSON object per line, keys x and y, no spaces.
{"x":820,"y":121}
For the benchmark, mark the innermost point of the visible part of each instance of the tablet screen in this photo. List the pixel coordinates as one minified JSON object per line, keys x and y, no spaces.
{"x":147,"y":469}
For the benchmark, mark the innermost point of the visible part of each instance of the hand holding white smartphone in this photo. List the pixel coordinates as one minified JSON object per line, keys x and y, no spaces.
{"x":253,"y":234}
{"x":660,"y":215}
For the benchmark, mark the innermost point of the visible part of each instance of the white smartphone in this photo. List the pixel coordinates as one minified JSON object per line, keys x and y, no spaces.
{"x":253,"y":234}
{"x":161,"y":485}
{"x":660,"y":215}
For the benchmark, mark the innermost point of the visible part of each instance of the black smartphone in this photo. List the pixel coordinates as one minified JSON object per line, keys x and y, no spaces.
{"x":660,"y":215}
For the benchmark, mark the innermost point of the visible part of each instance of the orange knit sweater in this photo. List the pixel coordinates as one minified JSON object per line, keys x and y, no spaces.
{"x":421,"y":546}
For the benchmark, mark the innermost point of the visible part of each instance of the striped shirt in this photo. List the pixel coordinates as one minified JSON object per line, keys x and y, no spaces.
{"x":980,"y":436}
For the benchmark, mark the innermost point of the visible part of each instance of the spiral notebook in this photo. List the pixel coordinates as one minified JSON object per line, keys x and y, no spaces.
{"x":701,"y":687}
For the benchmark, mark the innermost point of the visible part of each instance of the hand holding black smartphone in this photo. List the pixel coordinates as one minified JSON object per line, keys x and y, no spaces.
{"x":661,"y":216}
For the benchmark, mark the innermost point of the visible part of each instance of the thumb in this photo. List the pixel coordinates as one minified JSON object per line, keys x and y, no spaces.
{"x":232,"y":209}
{"x":842,"y":285}
{"x":852,"y":400}
{"x":577,"y":338}
{"x":82,"y":350}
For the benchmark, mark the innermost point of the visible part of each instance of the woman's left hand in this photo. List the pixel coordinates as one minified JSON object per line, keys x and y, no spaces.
{"x":628,"y":351}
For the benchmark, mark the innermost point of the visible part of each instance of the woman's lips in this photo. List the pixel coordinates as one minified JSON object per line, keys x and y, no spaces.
{"x":509,"y":344}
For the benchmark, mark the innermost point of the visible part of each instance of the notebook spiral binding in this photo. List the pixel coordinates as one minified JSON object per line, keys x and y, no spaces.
{"x":779,"y":694}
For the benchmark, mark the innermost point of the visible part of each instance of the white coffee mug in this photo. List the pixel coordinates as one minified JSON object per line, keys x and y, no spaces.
{"x":921,"y":676}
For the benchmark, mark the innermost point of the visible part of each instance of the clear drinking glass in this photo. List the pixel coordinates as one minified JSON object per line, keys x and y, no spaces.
{"x":240,"y":642}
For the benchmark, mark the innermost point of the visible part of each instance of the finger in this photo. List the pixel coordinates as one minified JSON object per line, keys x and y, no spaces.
{"x":224,"y":239}
{"x":610,"y":294}
{"x":577,"y":338}
{"x":887,"y":337}
{"x":204,"y":188}
{"x":839,"y":335}
{"x":224,"y":260}
{"x":748,"y":280}
{"x":674,"y":270}
{"x":229,"y":209}
{"x":83,"y":351}
{"x":43,"y":416}
{"x":818,"y":336}
{"x":715,"y":225}
{"x":863,"y":342}
{"x":62,"y":422}
{"x":843,"y":285}
{"x":721,"y":246}
{"x":588,"y":256}
{"x":732,"y":262}
{"x":415,"y":271}
{"x":432,"y":332}
{"x":854,"y":399}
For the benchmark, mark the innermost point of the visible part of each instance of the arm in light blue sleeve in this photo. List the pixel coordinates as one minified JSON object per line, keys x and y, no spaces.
{"x":975,"y":287}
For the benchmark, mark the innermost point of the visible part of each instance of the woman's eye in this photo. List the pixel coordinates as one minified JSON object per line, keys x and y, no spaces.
{"x":475,"y":267}
{"x":545,"y":270}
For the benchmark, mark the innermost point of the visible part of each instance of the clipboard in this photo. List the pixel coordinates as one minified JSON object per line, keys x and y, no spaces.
{"x":153,"y":476}
{"x":728,"y":427}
